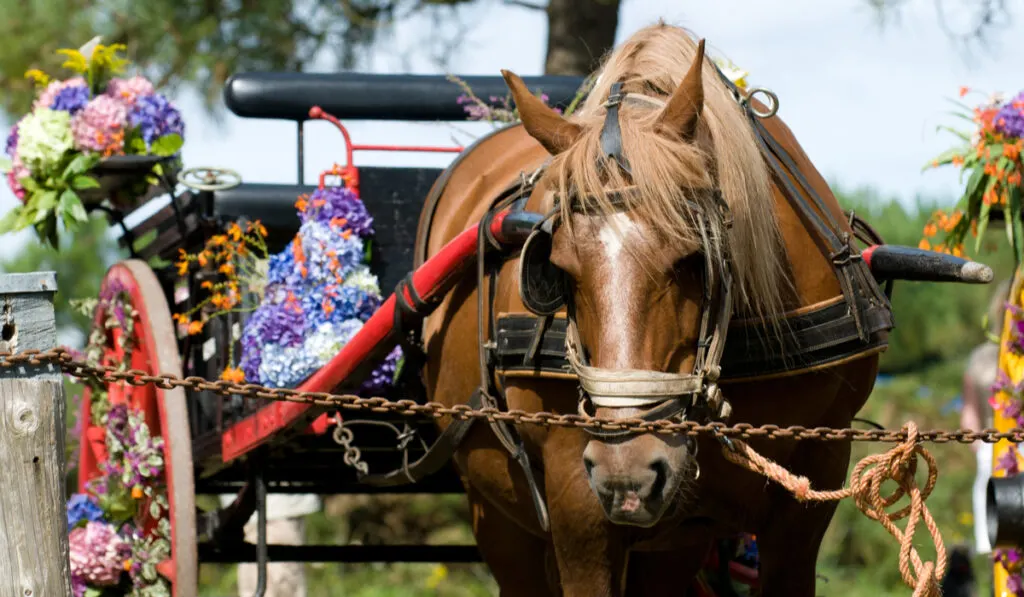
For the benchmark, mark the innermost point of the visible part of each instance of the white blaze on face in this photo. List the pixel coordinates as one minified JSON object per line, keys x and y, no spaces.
{"x":617,"y":300}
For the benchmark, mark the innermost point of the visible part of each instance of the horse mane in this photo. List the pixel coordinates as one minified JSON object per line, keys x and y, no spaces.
{"x":653,"y":62}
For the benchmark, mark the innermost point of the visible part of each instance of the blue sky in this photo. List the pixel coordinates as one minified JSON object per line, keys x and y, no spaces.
{"x":863,"y":102}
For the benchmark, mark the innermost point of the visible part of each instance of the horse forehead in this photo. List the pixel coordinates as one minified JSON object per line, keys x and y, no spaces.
{"x":614,"y":232}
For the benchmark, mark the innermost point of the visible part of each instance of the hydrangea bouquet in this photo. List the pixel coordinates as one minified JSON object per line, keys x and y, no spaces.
{"x":990,"y":156}
{"x":90,"y":137}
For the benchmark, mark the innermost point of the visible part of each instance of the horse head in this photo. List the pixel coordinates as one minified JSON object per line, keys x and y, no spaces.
{"x":653,"y":215}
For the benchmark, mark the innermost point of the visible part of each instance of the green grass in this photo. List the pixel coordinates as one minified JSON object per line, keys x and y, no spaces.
{"x":858,"y":558}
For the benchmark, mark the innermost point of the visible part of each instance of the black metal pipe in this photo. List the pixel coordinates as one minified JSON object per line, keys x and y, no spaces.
{"x":1004,"y":511}
{"x":896,"y":262}
{"x":354,"y":554}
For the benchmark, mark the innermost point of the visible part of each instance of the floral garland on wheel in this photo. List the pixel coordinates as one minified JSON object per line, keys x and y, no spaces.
{"x":119,"y":530}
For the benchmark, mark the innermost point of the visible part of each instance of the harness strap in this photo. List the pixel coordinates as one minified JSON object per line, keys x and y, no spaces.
{"x":439,"y":454}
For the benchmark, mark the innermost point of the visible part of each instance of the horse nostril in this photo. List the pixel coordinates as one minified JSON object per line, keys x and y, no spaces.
{"x":660,"y":468}
{"x":588,"y":465}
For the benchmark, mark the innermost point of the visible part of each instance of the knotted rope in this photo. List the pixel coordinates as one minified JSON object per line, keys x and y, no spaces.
{"x":898,"y":464}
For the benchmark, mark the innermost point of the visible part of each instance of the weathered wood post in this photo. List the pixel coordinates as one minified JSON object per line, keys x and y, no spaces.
{"x":34,"y":558}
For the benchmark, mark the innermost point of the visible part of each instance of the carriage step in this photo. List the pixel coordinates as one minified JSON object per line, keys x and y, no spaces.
{"x":355,"y":554}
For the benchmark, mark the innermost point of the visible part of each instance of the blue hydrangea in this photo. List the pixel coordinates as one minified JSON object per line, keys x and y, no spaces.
{"x":282,"y":349}
{"x":155,"y":116}
{"x":71,"y":99}
{"x":81,"y":507}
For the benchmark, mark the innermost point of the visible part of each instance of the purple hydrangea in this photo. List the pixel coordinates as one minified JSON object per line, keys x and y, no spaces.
{"x":1010,"y":118}
{"x":155,"y":116}
{"x":382,"y":377}
{"x":82,"y":507}
{"x":278,"y":322}
{"x":339,"y":202}
{"x":12,"y":142}
{"x":71,"y":99}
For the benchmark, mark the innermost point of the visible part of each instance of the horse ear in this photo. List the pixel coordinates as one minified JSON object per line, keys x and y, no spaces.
{"x":682,"y":112}
{"x":545,"y":125}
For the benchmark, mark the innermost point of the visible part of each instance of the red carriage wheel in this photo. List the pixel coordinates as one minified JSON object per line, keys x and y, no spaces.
{"x":153,"y":349}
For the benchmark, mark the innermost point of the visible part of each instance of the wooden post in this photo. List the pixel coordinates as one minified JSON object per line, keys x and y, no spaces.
{"x":34,"y":557}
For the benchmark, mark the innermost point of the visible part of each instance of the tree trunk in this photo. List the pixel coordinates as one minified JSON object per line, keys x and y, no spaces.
{"x":579,"y":33}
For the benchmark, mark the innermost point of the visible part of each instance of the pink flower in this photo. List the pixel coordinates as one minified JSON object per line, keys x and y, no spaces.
{"x":98,"y":553}
{"x":18,"y":172}
{"x":1007,"y":461}
{"x":100,"y":125}
{"x":46,"y":97}
{"x":128,"y":90}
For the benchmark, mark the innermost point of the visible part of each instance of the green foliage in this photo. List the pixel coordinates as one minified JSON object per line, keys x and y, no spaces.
{"x":933,"y":321}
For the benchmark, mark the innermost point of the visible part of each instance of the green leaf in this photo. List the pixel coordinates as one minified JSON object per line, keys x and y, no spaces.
{"x":167,"y":145}
{"x":143,"y":241}
{"x":946,"y":157}
{"x":92,"y":592}
{"x":84,"y":181}
{"x":156,"y":262}
{"x":977,"y":177}
{"x":9,"y":221}
{"x":71,"y":205}
{"x":29,"y":184}
{"x":6,"y":165}
{"x":82,"y":163}
{"x":1018,"y":226}
{"x":45,"y":201}
{"x":949,"y":129}
{"x":982,"y":225}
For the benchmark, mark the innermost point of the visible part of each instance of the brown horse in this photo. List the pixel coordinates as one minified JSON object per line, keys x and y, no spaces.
{"x":664,"y":220}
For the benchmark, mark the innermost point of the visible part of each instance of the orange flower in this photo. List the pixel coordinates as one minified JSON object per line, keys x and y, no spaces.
{"x":202,"y":258}
{"x":227,"y":269}
{"x":136,"y":493}
{"x":235,"y":231}
{"x":1012,"y":150}
{"x":302,"y":203}
{"x":195,"y":327}
{"x":182,"y":268}
{"x":233,"y":375}
{"x":924,"y":245}
{"x":128,"y":565}
{"x":346,"y":234}
{"x":1014,"y":179}
{"x":964,"y":91}
{"x":958,"y":160}
{"x":207,"y":284}
{"x":930,"y":230}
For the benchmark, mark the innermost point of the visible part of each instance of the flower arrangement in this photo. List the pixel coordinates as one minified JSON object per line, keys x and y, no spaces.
{"x":306,"y":301}
{"x":234,"y":263}
{"x":53,"y":153}
{"x":319,"y":293}
{"x":118,"y":528}
{"x":990,"y":157}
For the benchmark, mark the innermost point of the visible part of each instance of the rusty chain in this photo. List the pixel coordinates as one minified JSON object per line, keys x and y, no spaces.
{"x":136,"y":377}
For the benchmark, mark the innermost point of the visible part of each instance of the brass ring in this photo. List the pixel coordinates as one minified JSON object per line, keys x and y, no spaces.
{"x":773,"y":105}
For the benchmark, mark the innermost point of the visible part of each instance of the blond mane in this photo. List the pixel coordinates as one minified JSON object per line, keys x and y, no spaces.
{"x":653,"y":63}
